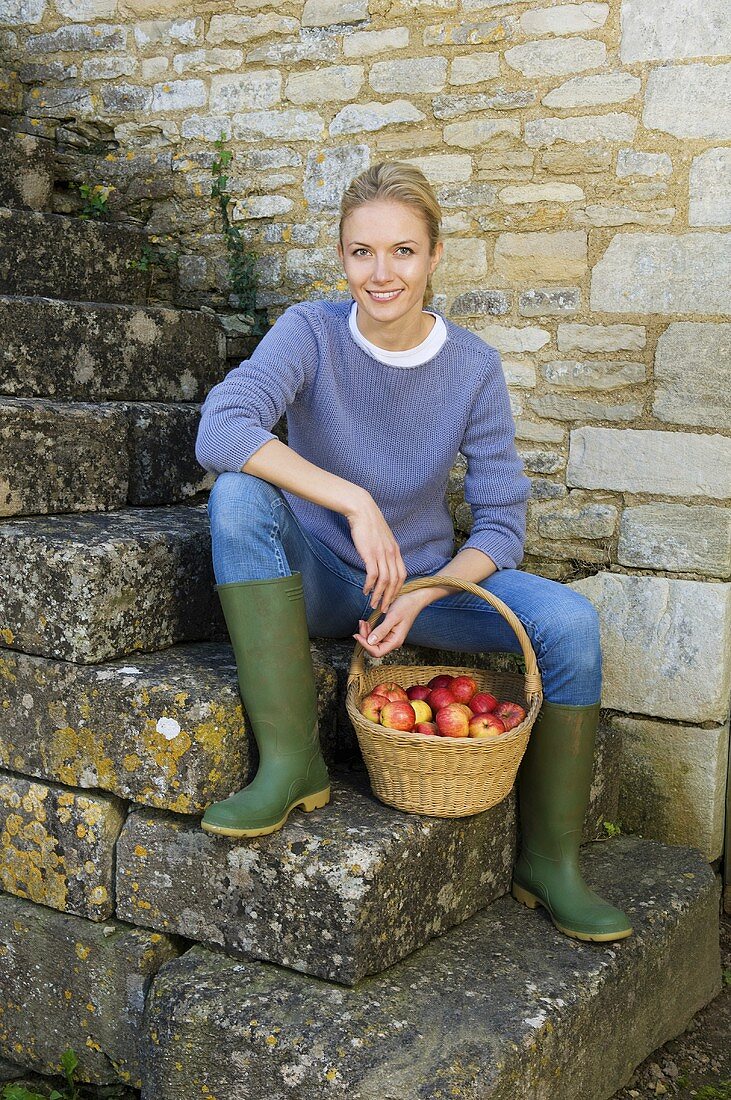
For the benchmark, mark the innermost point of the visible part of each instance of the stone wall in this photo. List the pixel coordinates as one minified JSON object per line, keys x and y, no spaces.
{"x":581,"y":154}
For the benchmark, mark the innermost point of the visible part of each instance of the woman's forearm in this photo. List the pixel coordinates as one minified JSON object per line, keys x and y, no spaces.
{"x":278,"y":464}
{"x":467,"y":565}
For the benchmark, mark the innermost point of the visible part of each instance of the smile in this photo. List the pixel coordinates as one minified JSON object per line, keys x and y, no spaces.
{"x":383,"y":295}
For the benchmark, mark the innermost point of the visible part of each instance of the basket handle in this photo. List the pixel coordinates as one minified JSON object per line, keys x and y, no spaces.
{"x":533,"y":686}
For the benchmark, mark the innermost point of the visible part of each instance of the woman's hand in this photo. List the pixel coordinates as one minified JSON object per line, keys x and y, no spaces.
{"x":392,"y":632}
{"x":381,"y":554}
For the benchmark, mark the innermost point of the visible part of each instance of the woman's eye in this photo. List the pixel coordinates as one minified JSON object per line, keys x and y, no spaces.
{"x":404,"y":250}
{"x":360,"y":252}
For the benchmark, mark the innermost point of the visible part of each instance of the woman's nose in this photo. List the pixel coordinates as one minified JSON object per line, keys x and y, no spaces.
{"x":382,"y":269}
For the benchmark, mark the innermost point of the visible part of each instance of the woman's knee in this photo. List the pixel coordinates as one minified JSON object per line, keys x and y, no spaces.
{"x":242,"y":496}
{"x":574,"y":636}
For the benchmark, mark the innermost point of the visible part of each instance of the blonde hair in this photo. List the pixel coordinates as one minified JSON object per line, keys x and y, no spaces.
{"x":395,"y":181}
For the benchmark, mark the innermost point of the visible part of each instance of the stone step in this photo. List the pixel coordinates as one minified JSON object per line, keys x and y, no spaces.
{"x":71,"y":258}
{"x":76,"y":351}
{"x":98,"y":457}
{"x":93,"y":587}
{"x":503,"y":1006}
{"x":26,"y":171}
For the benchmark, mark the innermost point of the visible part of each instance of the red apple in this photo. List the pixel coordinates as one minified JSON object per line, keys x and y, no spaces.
{"x":422,"y":710}
{"x":371,"y":706}
{"x":452,"y":721}
{"x":440,"y":681}
{"x":465,"y":710}
{"x":418,"y":691}
{"x":392,"y":692}
{"x":512,"y":714}
{"x":431,"y":729}
{"x":486,"y":725}
{"x":482,"y":703}
{"x":463,"y":688}
{"x":440,"y":697}
{"x":398,"y":716}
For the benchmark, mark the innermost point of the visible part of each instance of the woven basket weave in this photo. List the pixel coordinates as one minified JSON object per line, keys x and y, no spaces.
{"x":444,"y":776}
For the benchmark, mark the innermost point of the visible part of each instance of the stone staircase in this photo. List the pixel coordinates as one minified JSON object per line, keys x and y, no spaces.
{"x":361,"y":952}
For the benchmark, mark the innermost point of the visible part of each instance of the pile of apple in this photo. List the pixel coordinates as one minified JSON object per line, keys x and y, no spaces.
{"x":448,"y":706}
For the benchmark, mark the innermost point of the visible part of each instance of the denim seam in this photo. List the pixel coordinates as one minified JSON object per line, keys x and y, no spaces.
{"x":282,"y":503}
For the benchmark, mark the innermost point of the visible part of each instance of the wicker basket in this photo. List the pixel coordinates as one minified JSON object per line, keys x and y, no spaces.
{"x":444,"y":776}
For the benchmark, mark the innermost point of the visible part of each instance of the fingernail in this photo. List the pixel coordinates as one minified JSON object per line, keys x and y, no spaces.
{"x":373,"y":639}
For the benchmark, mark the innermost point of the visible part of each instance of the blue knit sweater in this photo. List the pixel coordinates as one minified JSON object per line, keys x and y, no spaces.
{"x":394,"y":431}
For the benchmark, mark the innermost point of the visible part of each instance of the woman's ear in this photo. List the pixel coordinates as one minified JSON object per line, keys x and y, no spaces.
{"x":436,"y":257}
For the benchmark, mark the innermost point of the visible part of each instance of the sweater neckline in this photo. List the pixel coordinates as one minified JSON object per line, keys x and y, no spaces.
{"x":412,"y":357}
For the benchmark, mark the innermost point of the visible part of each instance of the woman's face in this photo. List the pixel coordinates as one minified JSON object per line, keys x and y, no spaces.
{"x":387,"y":261}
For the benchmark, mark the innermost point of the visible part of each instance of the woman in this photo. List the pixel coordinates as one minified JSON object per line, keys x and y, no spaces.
{"x":381,"y":394}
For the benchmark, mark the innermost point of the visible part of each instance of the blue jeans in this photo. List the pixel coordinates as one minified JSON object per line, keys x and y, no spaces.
{"x":256,"y":536}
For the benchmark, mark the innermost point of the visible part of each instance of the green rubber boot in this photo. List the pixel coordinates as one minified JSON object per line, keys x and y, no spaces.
{"x":268,"y":629}
{"x":553,"y":784}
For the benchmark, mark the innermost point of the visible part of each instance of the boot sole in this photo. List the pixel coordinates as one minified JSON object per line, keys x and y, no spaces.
{"x":308,"y":803}
{"x":532,"y":901}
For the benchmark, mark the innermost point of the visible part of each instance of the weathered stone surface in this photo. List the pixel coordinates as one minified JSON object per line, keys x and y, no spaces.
{"x":90,"y":588}
{"x":69,"y":258}
{"x":444,"y":167}
{"x":535,"y":999}
{"x":593,"y":91}
{"x":572,"y":408}
{"x":541,"y":192}
{"x":58,"y":846}
{"x":692,"y":370}
{"x":244,"y":28}
{"x":664,"y":273}
{"x":339,"y":894}
{"x":168,"y":32}
{"x":689,"y":100}
{"x":255,"y":90}
{"x":519,"y":375}
{"x":99,"y":36}
{"x":315,"y":268}
{"x":207,"y":61}
{"x":69,"y":982}
{"x":453,"y":106}
{"x":631,"y":162}
{"x":666,"y":645}
{"x":464,"y":33}
{"x":589,"y":521}
{"x":618,"y":214}
{"x":663,"y":463}
{"x":323,"y":13}
{"x":609,"y":127}
{"x":84,"y":447}
{"x":539,"y":433}
{"x":567,"y":160}
{"x":654,"y":31}
{"x":261,"y":206}
{"x":710,"y":188}
{"x":550,"y":301}
{"x":165,"y":731}
{"x":26,"y":171}
{"x":72,"y":351}
{"x":328,"y":173}
{"x":674,"y":782}
{"x":543,"y":462}
{"x":464,"y":259}
{"x":370,"y":43}
{"x":580,"y":337}
{"x":280,"y":125}
{"x":21,"y":11}
{"x":473,"y":68}
{"x":515,"y":339}
{"x":356,"y":118}
{"x":428,"y":74}
{"x":556,"y":56}
{"x":570,"y":374}
{"x":162,"y":464}
{"x":334,"y":84}
{"x":480,"y":303}
{"x":468,"y":194}
{"x":678,"y":538}
{"x":479,"y":132}
{"x":538,"y":257}
{"x":288,"y":53}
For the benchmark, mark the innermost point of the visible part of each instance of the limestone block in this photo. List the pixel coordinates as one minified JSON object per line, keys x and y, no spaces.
{"x":610,"y":127}
{"x":689,"y":100}
{"x":631,"y":162}
{"x":261,"y":206}
{"x":539,"y":257}
{"x":473,"y":68}
{"x":479,"y":132}
{"x":178,"y":95}
{"x":567,"y":160}
{"x":355,"y":118}
{"x":570,"y":374}
{"x":463,"y":260}
{"x":692,"y":371}
{"x":677,"y":538}
{"x":70,"y":982}
{"x":290,"y":53}
{"x":549,"y":301}
{"x":593,"y":91}
{"x":369,"y":43}
{"x":13,"y":12}
{"x":108,"y":68}
{"x":478,"y":303}
{"x":244,"y":28}
{"x":653,"y":30}
{"x":162,"y":464}
{"x":661,"y":463}
{"x":543,"y":462}
{"x":541,"y":192}
{"x":581,"y":409}
{"x":26,"y":177}
{"x":123,"y":99}
{"x":580,"y":337}
{"x":564,"y":19}
{"x":58,"y":846}
{"x":323,"y":13}
{"x":255,"y":90}
{"x":556,"y":56}
{"x":673,"y":782}
{"x":289,"y":125}
{"x":590,"y":521}
{"x":618,"y":214}
{"x":455,"y":106}
{"x":304,"y":266}
{"x":328,"y":173}
{"x":710,"y":188}
{"x":515,"y":339}
{"x":519,"y":375}
{"x":443,"y":167}
{"x":465,"y":195}
{"x":166,"y":32}
{"x":664,"y":273}
{"x":99,"y":36}
{"x":428,"y":74}
{"x":666,"y":645}
{"x":330,"y":85}
{"x":539,"y":433}
{"x":463,"y":33}
{"x":82,"y":10}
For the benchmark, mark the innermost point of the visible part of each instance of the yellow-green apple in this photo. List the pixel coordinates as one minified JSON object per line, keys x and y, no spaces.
{"x":440,"y":697}
{"x":486,"y":725}
{"x":422,"y":710}
{"x":431,"y":729}
{"x":418,"y":691}
{"x":440,"y":681}
{"x":392,"y":691}
{"x":482,"y":703}
{"x":371,"y":705}
{"x":463,"y":688}
{"x":452,"y":721}
{"x":398,"y":716}
{"x":465,"y":709}
{"x":511,"y":714}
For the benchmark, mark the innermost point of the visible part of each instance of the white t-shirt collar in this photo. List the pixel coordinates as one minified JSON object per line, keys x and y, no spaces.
{"x":412,"y":357}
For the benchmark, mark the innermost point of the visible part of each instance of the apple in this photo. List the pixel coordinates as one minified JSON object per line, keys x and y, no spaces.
{"x":371,"y":705}
{"x":398,"y":716}
{"x":512,"y":714}
{"x":482,"y":703}
{"x":465,"y":710}
{"x":452,"y":721}
{"x":486,"y":725}
{"x":422,"y":710}
{"x":463,"y":688}
{"x":440,"y":681}
{"x":418,"y":691}
{"x":440,"y":697}
{"x":431,"y":729}
{"x":392,"y":692}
